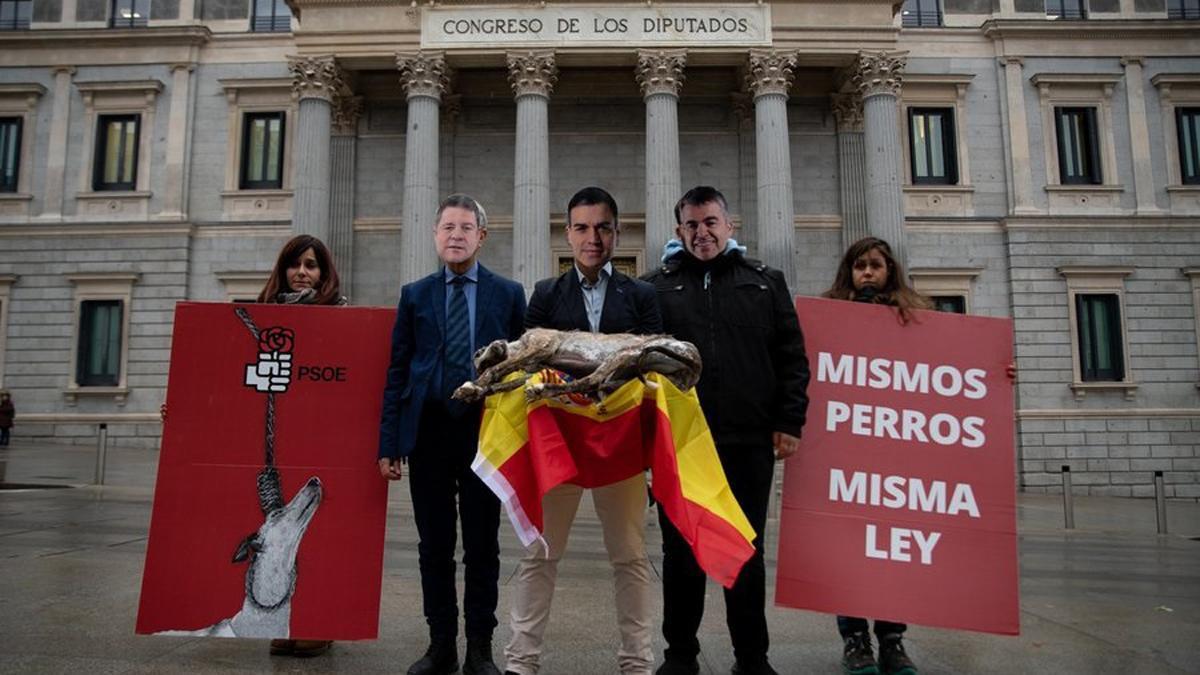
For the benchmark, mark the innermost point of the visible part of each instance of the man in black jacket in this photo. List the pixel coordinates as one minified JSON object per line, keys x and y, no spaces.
{"x":739,"y":314}
{"x":591,"y":296}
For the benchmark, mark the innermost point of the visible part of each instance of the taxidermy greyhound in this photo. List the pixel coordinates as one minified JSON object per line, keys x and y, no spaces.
{"x":599,"y":363}
{"x":271,"y":578}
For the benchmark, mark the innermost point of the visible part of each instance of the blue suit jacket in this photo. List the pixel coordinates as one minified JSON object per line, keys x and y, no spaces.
{"x":419,"y":348}
{"x":630,"y":305}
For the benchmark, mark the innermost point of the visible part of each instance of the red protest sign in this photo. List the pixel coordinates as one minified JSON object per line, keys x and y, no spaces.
{"x":269,"y":512}
{"x":900,"y":503}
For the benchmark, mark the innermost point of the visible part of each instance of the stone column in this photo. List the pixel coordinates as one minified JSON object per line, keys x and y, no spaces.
{"x":341,"y":187}
{"x":56,"y":150}
{"x":852,"y":170}
{"x":425,"y":79}
{"x":532,"y":75}
{"x":316,"y":81}
{"x":768,"y":78}
{"x":660,"y":76}
{"x":1139,"y":136}
{"x":1018,"y":137}
{"x":175,"y":190}
{"x":878,"y":77}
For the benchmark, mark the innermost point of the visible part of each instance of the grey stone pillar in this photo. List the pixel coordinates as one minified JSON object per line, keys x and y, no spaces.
{"x":425,"y":79}
{"x":56,"y":151}
{"x":175,"y":191}
{"x":768,"y":78}
{"x":532,"y":75}
{"x":660,"y":76}
{"x":342,"y":151}
{"x":852,"y":170}
{"x":316,"y":81}
{"x":878,"y":77}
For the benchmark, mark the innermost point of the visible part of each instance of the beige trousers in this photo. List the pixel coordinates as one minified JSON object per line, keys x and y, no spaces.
{"x":621,"y":508}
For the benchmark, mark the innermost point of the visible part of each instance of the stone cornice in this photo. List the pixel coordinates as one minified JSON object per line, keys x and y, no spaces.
{"x":770,"y":71}
{"x":152,"y":36}
{"x":33,"y":89}
{"x":1098,"y":29}
{"x":879,"y":73}
{"x":316,"y":77}
{"x":1069,"y":79}
{"x":532,"y":73}
{"x":423,"y":74}
{"x":847,"y":112}
{"x":123,"y":86}
{"x":660,"y":71}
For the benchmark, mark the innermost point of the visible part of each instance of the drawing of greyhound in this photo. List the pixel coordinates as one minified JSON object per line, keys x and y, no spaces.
{"x":271,"y":578}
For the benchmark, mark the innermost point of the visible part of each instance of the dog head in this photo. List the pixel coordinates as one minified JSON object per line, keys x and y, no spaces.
{"x":272,"y":549}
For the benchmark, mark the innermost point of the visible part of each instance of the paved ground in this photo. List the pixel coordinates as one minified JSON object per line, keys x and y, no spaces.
{"x":1111,"y":596}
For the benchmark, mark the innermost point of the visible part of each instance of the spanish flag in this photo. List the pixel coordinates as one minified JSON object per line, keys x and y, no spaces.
{"x":525,"y":449}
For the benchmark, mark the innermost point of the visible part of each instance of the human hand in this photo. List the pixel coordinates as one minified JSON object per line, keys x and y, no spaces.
{"x":786,"y":445}
{"x":390,"y":468}
{"x":1011,"y":371}
{"x":162,"y":412}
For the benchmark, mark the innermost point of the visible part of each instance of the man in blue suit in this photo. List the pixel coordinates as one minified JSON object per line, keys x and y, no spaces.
{"x":591,"y":296}
{"x":441,"y":320}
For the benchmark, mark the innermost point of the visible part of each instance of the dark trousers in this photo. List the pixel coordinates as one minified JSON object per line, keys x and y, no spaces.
{"x":750,"y":471}
{"x":849,"y":625}
{"x":4,"y":435}
{"x":445,"y":490}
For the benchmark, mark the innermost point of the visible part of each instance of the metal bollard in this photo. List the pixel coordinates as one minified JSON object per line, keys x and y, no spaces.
{"x":101,"y":453}
{"x":1068,"y":499}
{"x":1160,"y":502}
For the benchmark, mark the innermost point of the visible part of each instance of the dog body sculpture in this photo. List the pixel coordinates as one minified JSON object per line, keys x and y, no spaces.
{"x":271,"y":579}
{"x":600,"y":363}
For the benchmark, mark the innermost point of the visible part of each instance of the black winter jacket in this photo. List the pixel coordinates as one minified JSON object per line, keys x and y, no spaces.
{"x":739,"y":314}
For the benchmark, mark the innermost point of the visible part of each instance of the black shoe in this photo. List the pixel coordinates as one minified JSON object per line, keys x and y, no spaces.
{"x":479,"y":658}
{"x":440,"y":659}
{"x":892,"y":659}
{"x":678,"y":666}
{"x":857,"y":658}
{"x":759,"y":667}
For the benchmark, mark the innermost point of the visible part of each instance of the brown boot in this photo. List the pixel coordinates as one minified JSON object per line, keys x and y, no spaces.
{"x":282,"y":647}
{"x":307,"y":648}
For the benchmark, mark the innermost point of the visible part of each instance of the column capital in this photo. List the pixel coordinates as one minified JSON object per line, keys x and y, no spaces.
{"x":423,"y":74}
{"x":532,"y":73}
{"x":181,"y":66}
{"x":1006,"y":61}
{"x":346,"y":111}
{"x":660,"y":71}
{"x":316,"y":77}
{"x":847,"y":112}
{"x":878,"y":73}
{"x":69,"y":70}
{"x":769,"y":71}
{"x":1133,"y":61}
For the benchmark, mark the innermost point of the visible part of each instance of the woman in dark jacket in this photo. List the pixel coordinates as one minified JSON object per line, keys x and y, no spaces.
{"x":7,"y":412}
{"x":869,"y":273}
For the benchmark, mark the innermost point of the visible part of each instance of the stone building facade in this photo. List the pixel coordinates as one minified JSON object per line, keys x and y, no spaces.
{"x":1030,"y":158}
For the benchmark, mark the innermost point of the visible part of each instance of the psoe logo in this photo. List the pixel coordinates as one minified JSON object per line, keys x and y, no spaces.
{"x":273,"y":370}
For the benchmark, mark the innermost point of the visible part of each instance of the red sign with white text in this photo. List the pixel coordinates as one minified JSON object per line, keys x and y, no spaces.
{"x":900,"y":503}
{"x":269,"y":510}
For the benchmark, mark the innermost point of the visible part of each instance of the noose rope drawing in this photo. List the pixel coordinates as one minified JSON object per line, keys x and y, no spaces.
{"x":270,"y":493}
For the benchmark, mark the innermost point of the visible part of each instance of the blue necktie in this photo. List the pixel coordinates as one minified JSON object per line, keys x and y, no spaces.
{"x":458,"y":367}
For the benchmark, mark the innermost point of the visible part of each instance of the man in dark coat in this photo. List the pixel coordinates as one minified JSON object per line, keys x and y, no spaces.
{"x":740,"y":315}
{"x":591,"y":296}
{"x":439,"y":323}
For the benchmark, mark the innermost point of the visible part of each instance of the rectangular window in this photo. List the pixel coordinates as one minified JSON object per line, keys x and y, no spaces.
{"x":1183,"y":9}
{"x":1066,"y":9}
{"x":129,"y":14}
{"x":10,"y":153}
{"x":15,"y":14}
{"x":921,"y":13}
{"x":99,"y":358}
{"x":955,"y":304}
{"x":271,"y":16}
{"x":931,"y":146}
{"x":1187,"y":121}
{"x":1078,"y":146}
{"x":1101,"y":358}
{"x":116,"y":152}
{"x":262,"y":151}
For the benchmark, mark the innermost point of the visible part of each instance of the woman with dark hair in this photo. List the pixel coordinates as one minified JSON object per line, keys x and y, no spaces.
{"x":869,"y":273}
{"x":304,"y":274}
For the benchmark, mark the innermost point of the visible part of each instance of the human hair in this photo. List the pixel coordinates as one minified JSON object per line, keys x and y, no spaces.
{"x":699,"y":196}
{"x":329,"y":290}
{"x":895,"y":292}
{"x":462,"y":201}
{"x":593,"y":196}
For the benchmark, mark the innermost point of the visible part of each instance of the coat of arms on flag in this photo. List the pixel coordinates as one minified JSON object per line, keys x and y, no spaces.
{"x":526,"y":448}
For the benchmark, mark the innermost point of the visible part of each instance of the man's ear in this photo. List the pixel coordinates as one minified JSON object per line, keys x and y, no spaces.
{"x":250,"y":543}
